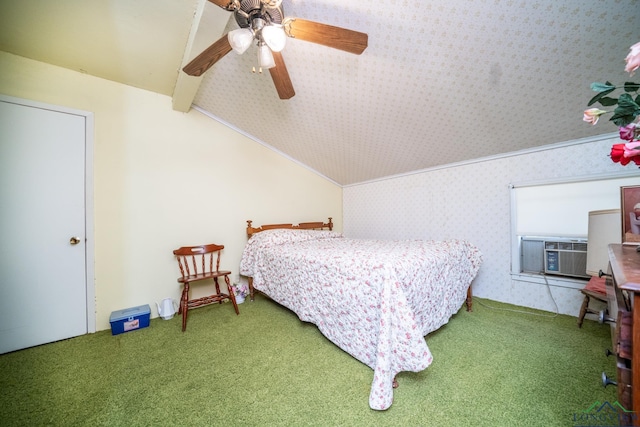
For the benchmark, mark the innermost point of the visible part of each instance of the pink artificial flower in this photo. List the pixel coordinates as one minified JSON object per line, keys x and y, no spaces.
{"x":633,"y":59}
{"x":632,"y":149}
{"x":592,"y":115}
{"x":628,"y":132}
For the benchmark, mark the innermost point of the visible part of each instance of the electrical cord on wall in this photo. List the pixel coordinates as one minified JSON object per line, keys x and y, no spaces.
{"x":529,"y":312}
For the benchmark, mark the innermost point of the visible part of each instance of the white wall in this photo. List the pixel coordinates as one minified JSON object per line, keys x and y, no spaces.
{"x":472,"y":201}
{"x":165,"y":179}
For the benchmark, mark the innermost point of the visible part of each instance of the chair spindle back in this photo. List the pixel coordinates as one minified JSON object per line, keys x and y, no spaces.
{"x":198,"y":256}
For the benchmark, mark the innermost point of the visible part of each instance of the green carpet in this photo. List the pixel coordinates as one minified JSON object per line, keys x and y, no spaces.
{"x":265,"y":367}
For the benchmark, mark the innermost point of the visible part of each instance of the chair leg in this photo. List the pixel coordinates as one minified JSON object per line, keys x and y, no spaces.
{"x":583,"y":310}
{"x":232,"y":296}
{"x":217,"y":287}
{"x":184,"y":305}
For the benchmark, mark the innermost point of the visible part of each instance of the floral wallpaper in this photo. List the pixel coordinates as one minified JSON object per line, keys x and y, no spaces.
{"x":472,"y":201}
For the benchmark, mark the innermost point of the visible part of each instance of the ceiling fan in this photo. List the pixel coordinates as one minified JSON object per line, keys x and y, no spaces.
{"x":263,"y":21}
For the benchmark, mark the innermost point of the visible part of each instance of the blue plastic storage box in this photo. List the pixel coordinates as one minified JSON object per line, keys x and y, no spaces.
{"x":130,"y":319}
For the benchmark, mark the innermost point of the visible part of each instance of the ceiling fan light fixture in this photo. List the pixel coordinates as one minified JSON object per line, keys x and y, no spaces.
{"x":254,"y":16}
{"x":240,"y":40}
{"x":265,"y":57}
{"x":274,"y":36}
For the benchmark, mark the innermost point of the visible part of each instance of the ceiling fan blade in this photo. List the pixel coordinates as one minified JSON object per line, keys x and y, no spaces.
{"x":208,"y":57}
{"x":327,"y":35}
{"x":280,"y":77}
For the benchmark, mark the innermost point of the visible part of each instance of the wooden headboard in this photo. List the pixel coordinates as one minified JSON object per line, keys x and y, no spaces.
{"x":319,"y":225}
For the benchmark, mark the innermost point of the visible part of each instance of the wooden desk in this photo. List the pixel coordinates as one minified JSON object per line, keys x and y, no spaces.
{"x":624,"y":295}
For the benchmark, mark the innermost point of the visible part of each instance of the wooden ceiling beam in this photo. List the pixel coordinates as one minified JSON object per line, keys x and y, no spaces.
{"x":208,"y":25}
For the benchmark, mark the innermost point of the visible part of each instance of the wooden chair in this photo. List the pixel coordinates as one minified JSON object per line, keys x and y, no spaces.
{"x":595,"y":289}
{"x":200,"y":258}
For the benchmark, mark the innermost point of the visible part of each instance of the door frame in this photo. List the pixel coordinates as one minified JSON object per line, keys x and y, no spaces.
{"x":89,"y":246}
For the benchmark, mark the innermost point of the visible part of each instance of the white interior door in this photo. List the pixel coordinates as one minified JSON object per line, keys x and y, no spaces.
{"x":43,"y":290}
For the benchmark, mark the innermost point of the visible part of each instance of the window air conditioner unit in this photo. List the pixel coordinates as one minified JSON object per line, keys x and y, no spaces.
{"x":554,"y":255}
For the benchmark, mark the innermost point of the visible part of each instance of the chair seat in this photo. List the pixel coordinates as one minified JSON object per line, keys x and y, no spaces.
{"x":596,"y":285}
{"x":203,"y":276}
{"x":597,"y":295}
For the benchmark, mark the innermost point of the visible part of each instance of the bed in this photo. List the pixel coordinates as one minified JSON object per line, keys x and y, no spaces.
{"x":375,"y":299}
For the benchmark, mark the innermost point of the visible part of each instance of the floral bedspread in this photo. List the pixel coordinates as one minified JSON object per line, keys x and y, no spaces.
{"x":375,"y":299}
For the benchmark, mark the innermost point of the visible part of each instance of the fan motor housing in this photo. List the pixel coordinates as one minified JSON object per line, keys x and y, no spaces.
{"x":251,"y":9}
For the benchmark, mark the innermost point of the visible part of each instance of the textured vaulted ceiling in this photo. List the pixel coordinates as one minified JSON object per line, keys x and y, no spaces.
{"x":441,"y":82}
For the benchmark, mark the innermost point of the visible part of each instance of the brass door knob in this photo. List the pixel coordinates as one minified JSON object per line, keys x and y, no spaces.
{"x":74,"y":240}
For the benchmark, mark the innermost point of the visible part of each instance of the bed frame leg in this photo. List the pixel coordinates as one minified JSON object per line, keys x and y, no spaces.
{"x":469,"y":299}
{"x":251,"y":293}
{"x":395,"y":383}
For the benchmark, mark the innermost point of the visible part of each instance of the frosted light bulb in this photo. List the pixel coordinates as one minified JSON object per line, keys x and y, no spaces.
{"x":240,"y":39}
{"x":274,"y":37}
{"x":265,"y":57}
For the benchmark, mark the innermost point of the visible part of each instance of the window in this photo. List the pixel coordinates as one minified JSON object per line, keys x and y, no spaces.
{"x":560,"y":208}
